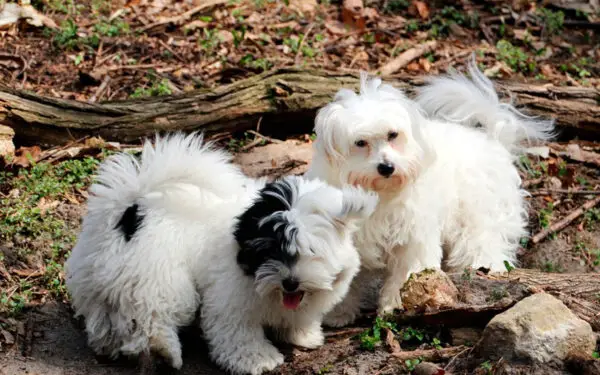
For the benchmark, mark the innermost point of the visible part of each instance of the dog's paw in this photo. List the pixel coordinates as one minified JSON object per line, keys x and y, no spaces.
{"x":337,"y":319}
{"x":310,"y":338}
{"x":388,"y":303}
{"x":256,"y":360}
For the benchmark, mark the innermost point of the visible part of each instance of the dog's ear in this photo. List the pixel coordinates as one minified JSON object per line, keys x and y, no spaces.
{"x":328,"y":132}
{"x":357,"y":205}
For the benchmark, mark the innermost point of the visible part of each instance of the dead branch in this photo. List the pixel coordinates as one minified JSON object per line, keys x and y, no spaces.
{"x":561,"y":224}
{"x":287,"y":99}
{"x":406,"y":57}
{"x":430,"y":354}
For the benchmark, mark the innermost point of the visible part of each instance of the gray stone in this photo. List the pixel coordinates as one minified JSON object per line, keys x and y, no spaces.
{"x":538,"y":329}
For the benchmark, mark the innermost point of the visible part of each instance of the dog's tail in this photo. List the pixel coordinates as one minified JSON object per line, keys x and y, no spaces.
{"x":475,"y":102}
{"x":170,"y":166}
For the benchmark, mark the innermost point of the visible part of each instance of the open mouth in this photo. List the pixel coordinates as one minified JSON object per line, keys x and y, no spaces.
{"x":292,"y":300}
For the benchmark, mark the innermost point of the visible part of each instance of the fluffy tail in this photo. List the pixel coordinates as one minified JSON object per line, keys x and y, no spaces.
{"x":474,"y":101}
{"x":174,"y":163}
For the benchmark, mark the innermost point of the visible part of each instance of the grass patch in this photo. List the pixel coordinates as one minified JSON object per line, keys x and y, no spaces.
{"x":35,"y":234}
{"x":515,"y":57}
{"x":157,"y":88}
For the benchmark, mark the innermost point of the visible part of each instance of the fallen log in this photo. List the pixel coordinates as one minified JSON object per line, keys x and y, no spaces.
{"x":286,"y":99}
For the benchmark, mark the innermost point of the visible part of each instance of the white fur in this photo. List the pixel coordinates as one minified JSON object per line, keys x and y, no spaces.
{"x":454,"y":198}
{"x":135,"y":295}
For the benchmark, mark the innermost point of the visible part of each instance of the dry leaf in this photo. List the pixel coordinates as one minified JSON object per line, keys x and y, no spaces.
{"x":422,"y":9}
{"x":24,"y":156}
{"x":413,"y":66}
{"x":6,"y":140}
{"x":306,"y":7}
{"x":352,"y":14}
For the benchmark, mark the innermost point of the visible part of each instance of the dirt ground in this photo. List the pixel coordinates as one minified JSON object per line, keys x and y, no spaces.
{"x":110,"y":50}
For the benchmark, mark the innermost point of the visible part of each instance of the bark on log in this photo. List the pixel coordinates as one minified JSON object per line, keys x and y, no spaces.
{"x":286,"y":99}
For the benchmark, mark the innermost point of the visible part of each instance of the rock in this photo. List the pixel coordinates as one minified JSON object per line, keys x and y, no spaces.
{"x":428,"y":290}
{"x":465,"y":336}
{"x":7,"y":146}
{"x":539,"y":329}
{"x":428,"y":368}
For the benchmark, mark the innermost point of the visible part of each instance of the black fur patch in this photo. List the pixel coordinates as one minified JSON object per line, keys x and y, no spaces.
{"x":272,"y":239}
{"x":130,"y":222}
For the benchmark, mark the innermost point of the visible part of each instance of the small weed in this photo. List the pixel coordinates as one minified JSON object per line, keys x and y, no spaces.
{"x":412,"y":26}
{"x":508,"y":266}
{"x":371,"y":338}
{"x":67,"y":37}
{"x":579,"y":68}
{"x":515,"y":57}
{"x":394,"y":6}
{"x":248,"y":61}
{"x":325,"y":369}
{"x":545,"y":215}
{"x":591,"y":216}
{"x":410,"y":334}
{"x":467,"y":275}
{"x":596,"y":355}
{"x":157,"y":89}
{"x":553,"y":21}
{"x":113,"y":28}
{"x":497,"y":294}
{"x":238,"y":36}
{"x":436,"y":343}
{"x":487,"y":367}
{"x":209,"y":41}
{"x":582,"y":181}
{"x":552,"y":267}
{"x":412,"y":363}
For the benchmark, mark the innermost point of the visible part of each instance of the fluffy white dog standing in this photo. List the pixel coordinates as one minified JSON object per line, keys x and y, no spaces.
{"x":449,"y":192}
{"x":183,"y":228}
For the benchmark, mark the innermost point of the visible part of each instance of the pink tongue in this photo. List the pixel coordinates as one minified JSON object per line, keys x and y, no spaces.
{"x":292,"y":300}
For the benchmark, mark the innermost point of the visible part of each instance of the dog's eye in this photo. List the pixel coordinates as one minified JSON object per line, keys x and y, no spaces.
{"x":360,"y":143}
{"x":392,"y":136}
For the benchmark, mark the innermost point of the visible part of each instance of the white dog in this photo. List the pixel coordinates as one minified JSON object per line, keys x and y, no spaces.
{"x":183,"y":228}
{"x":449,"y":193}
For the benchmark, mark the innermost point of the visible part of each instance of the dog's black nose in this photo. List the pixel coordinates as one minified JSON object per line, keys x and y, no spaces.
{"x":290,"y":285}
{"x":385,"y":169}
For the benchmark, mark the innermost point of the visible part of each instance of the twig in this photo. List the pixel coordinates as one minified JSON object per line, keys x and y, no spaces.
{"x":301,"y":44}
{"x":344,"y":332}
{"x":103,"y":86}
{"x":186,"y":15}
{"x":565,"y":221}
{"x":451,"y":362}
{"x":177,"y":56}
{"x":256,"y":141}
{"x":430,"y":354}
{"x":272,"y":140}
{"x":50,"y":153}
{"x":565,"y":191}
{"x":406,"y":57}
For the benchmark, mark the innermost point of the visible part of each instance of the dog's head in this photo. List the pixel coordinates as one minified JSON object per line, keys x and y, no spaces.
{"x":372,"y":139}
{"x":295,"y":240}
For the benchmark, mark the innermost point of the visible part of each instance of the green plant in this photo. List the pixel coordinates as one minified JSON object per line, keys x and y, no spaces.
{"x":596,"y":355}
{"x":325,"y":369}
{"x":487,"y":367}
{"x":394,"y":6}
{"x":261,"y":64}
{"x":112,"y":28}
{"x":497,"y":294}
{"x":371,"y":338}
{"x":515,"y":57}
{"x":67,"y":37}
{"x":507,"y":264}
{"x":156,"y":89}
{"x":209,"y":41}
{"x":545,"y":215}
{"x":467,"y":275}
{"x":553,"y":21}
{"x":409,"y":333}
{"x":552,"y":267}
{"x":436,"y":343}
{"x":412,"y":363}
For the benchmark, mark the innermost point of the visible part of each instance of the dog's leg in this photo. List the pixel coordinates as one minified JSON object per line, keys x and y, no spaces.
{"x":415,"y":256}
{"x":345,"y":312}
{"x":234,"y":332}
{"x":165,"y":342}
{"x":309,"y":336}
